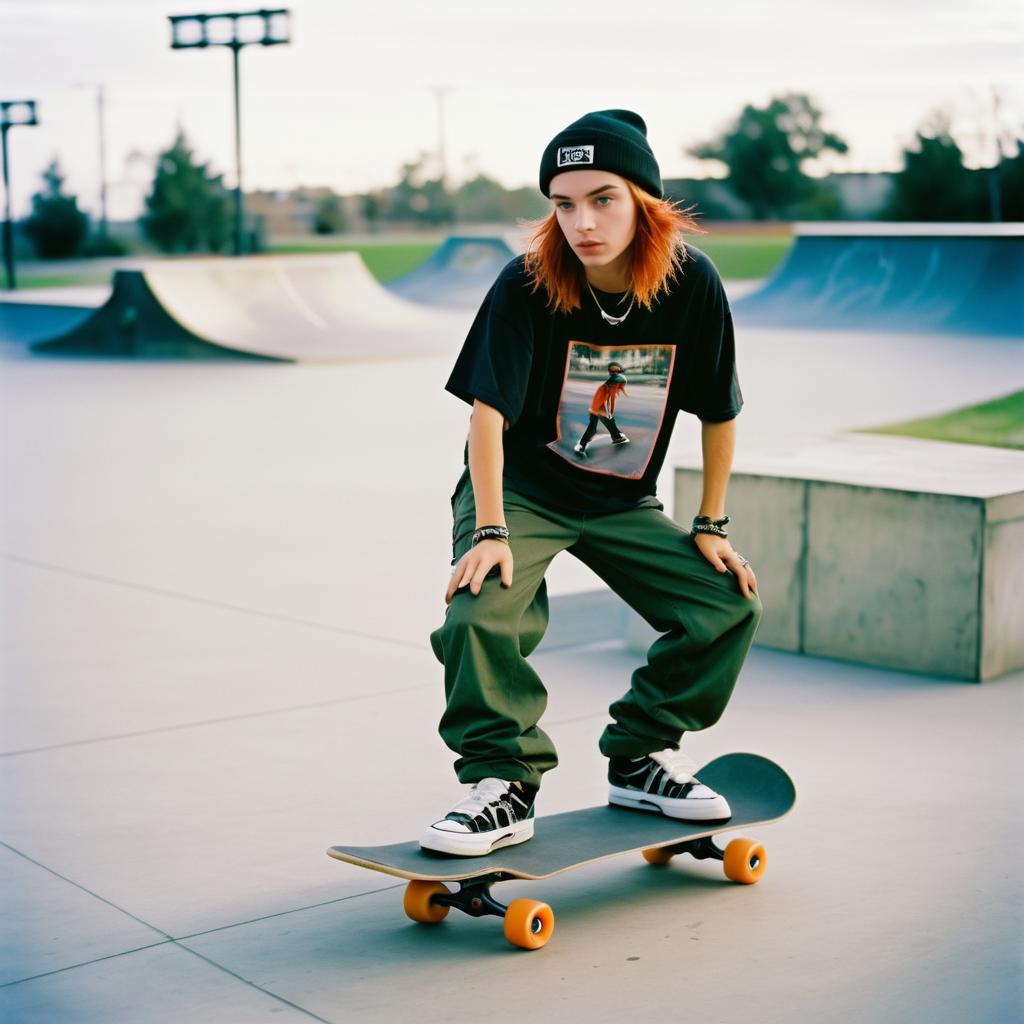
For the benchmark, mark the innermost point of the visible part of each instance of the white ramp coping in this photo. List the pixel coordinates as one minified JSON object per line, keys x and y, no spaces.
{"x":85,"y":296}
{"x":890,"y":551}
{"x":908,"y":229}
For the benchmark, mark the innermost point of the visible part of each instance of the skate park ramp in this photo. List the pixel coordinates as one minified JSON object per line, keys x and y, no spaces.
{"x":45,"y":312}
{"x":301,"y":308}
{"x":962,"y":278}
{"x":458,"y":273}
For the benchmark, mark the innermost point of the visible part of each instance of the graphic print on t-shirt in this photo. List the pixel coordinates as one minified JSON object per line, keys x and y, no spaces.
{"x":612,"y":405}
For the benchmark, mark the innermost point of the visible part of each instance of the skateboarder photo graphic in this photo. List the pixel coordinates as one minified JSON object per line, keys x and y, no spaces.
{"x":602,"y":409}
{"x":607,"y":271}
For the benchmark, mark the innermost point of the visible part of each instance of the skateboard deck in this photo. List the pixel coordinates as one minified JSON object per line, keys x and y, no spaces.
{"x":757,"y":789}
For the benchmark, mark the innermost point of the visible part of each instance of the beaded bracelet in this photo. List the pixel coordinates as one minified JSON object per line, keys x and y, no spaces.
{"x":705,"y":524}
{"x":493,"y":532}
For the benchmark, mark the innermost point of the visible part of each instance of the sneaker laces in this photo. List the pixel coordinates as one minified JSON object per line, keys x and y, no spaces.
{"x":680,"y":768}
{"x":484,"y":793}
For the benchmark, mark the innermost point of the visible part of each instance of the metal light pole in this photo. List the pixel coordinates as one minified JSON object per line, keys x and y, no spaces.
{"x":101,"y":118}
{"x":440,"y":91}
{"x":262,"y":28}
{"x":995,"y":200}
{"x":12,"y":112}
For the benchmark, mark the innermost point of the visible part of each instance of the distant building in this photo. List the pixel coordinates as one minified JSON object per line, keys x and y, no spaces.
{"x":283,"y":214}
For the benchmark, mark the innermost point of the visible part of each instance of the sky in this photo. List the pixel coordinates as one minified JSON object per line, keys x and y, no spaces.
{"x":353,"y":96}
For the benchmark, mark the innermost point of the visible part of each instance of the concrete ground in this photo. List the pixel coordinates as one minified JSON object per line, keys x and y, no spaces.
{"x":218,"y":583}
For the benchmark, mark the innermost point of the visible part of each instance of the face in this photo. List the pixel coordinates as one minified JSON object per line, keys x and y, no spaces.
{"x":597,"y":215}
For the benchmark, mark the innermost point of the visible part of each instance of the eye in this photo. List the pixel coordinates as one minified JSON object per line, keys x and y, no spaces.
{"x":562,"y":205}
{"x":604,"y":199}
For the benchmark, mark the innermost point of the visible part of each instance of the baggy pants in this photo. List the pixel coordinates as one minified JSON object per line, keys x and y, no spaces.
{"x":608,"y":421}
{"x":495,"y":698}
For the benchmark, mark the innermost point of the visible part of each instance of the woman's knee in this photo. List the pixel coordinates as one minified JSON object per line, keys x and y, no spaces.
{"x":485,"y":614}
{"x":706,"y":619}
{"x":756,"y":610}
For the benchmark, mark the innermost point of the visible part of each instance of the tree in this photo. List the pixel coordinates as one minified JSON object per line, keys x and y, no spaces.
{"x":330,"y":215}
{"x":482,"y":199}
{"x":1011,"y":183}
{"x":418,"y":198}
{"x":188,"y":207}
{"x":934,"y":185}
{"x":56,"y":227}
{"x":371,"y":204}
{"x":764,"y":150}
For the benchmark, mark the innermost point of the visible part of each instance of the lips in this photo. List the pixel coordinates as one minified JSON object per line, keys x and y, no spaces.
{"x":591,"y":245}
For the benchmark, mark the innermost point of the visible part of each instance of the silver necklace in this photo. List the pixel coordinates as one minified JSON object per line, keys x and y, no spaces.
{"x":613,"y":320}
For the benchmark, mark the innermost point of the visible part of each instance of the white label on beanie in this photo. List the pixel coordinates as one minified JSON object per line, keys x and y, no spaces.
{"x":575,"y":155}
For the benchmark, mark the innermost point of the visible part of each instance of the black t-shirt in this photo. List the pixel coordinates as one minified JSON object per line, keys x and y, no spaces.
{"x":565,"y":379}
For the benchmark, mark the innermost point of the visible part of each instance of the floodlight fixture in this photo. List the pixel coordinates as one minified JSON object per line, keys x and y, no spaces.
{"x":262,"y":28}
{"x":17,"y":112}
{"x":13,"y":114}
{"x":235,"y":31}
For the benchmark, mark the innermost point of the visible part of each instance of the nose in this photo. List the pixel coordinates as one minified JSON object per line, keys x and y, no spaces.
{"x":584,"y":218}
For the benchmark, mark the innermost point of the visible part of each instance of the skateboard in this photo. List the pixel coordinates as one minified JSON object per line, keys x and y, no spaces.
{"x":757,"y":789}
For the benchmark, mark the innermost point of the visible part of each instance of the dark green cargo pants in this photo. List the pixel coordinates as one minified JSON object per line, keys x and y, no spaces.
{"x":495,"y":698}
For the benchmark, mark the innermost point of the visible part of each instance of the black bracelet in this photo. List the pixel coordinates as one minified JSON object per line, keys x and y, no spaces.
{"x":707,"y":519}
{"x":716,"y":531}
{"x":705,"y":524}
{"x":490,"y":532}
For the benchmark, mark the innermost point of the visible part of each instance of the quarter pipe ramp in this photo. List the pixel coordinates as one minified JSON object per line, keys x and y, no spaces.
{"x":963,"y":278}
{"x":283,"y":308}
{"x":458,"y":273}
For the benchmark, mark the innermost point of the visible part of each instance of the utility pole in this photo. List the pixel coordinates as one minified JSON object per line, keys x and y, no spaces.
{"x":101,"y":120}
{"x":101,"y":115}
{"x":995,"y":199}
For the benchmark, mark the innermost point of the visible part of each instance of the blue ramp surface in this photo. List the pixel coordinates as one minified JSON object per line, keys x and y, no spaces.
{"x":458,"y":273}
{"x":24,"y":321}
{"x":963,"y":278}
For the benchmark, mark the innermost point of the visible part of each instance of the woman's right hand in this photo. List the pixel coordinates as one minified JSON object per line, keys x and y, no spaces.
{"x":476,"y":563}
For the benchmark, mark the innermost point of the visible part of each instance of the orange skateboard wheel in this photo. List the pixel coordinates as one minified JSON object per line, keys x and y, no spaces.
{"x":417,"y":902}
{"x":744,"y":861}
{"x":528,"y":923}
{"x":658,"y":855}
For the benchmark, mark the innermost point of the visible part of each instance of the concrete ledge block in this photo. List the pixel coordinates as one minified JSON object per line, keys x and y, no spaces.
{"x":584,"y":618}
{"x":1002,"y":644}
{"x":895,"y":552}
{"x":892,"y":578}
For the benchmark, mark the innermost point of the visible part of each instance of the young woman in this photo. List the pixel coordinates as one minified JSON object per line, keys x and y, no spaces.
{"x":607,"y":287}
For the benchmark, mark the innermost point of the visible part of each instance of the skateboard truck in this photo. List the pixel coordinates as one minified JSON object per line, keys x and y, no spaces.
{"x":473,"y":897}
{"x":528,"y":923}
{"x":743,"y":860}
{"x":700,"y":849}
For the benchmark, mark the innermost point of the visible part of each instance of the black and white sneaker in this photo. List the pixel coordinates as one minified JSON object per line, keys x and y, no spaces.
{"x":621,"y":439}
{"x":664,"y":782}
{"x":495,"y":814}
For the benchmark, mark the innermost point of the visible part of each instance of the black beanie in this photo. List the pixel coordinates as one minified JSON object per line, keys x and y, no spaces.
{"x":604,"y":140}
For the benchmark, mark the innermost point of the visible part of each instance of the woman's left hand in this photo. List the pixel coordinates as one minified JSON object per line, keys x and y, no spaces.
{"x":718,"y":551}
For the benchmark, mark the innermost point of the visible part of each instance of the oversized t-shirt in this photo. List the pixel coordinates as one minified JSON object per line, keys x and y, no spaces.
{"x":541,"y":371}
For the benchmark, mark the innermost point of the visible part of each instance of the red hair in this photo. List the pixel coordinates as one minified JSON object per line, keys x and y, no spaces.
{"x":658,"y":252}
